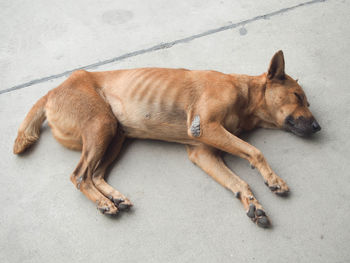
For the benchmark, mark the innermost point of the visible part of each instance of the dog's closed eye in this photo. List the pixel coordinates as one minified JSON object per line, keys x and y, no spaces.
{"x":301,"y":99}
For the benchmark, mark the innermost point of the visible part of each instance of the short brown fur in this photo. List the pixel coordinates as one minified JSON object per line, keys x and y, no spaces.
{"x":205,"y":110}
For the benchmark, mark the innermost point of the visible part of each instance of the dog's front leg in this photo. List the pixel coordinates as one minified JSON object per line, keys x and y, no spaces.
{"x":214,"y":134}
{"x":205,"y":157}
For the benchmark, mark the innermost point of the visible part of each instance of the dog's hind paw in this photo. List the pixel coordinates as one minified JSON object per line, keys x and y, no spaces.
{"x":121,"y":203}
{"x":107,"y":208}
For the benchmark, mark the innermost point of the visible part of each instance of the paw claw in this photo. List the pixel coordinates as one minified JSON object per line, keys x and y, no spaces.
{"x":273,"y":188}
{"x":117,"y":201}
{"x":251,"y":211}
{"x":278,"y":189}
{"x":283,"y":194}
{"x":260,"y":212}
{"x":124,"y":206}
{"x":263,"y":222}
{"x":103,"y":209}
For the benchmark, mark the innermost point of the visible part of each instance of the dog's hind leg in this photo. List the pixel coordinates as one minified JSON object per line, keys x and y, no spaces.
{"x":80,"y":118}
{"x":206,"y":158}
{"x":111,"y":154}
{"x":96,"y":140}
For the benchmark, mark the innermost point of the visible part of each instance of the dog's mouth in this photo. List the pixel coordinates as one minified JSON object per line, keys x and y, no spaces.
{"x":301,"y":126}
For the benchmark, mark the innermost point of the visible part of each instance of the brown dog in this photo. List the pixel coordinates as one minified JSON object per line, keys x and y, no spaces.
{"x":205,"y":110}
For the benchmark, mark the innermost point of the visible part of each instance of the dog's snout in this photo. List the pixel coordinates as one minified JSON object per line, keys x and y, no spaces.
{"x":315,"y":126}
{"x":301,"y":125}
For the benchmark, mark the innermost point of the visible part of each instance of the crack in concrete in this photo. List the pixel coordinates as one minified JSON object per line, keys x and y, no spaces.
{"x":162,"y":45}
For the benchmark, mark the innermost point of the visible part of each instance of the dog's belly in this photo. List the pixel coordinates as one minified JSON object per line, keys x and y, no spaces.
{"x":149,"y":103}
{"x":152,"y":122}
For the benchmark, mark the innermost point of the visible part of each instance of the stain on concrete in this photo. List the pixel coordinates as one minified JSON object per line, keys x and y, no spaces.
{"x":117,"y":16}
{"x":243,"y":31}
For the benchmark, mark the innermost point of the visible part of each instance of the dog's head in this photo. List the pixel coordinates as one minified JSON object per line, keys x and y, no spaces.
{"x":286,"y":101}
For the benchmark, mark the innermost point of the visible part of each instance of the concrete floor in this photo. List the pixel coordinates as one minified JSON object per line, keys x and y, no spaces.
{"x":180,"y":214}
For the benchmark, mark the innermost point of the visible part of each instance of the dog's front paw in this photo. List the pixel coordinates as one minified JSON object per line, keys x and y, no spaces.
{"x":277,"y":186}
{"x":258,"y":216}
{"x":120,"y":201}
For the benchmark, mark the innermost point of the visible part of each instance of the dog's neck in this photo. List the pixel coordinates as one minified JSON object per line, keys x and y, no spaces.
{"x":252,"y":88}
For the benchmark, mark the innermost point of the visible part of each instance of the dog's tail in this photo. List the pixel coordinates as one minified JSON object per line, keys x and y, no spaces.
{"x":29,"y":131}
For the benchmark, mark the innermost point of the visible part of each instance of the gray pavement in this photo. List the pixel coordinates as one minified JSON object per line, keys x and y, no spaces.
{"x":180,"y":214}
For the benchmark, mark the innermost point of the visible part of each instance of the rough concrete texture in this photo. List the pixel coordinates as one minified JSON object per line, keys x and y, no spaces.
{"x":180,"y":214}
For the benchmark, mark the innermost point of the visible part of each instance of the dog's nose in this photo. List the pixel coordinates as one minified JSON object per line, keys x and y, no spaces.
{"x":315,"y":126}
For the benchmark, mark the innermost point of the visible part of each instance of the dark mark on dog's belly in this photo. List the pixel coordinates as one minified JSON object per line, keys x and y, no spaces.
{"x":195,"y":126}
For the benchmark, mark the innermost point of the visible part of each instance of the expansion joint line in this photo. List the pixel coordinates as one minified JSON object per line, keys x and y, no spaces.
{"x":162,"y":45}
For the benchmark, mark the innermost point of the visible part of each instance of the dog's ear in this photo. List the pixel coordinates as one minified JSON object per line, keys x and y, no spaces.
{"x":276,"y":69}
